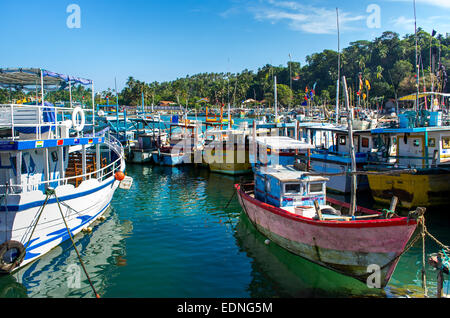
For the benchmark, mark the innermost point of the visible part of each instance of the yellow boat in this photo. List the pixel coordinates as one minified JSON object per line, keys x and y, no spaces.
{"x":228,"y":153}
{"x":427,"y":187}
{"x":425,"y":150}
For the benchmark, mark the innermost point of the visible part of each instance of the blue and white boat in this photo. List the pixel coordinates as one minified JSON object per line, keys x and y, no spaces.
{"x":184,"y":138}
{"x":331,"y":153}
{"x":46,"y":158}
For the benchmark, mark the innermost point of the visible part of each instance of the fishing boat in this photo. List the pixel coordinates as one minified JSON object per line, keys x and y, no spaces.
{"x":277,"y":150}
{"x":331,"y":153}
{"x":228,"y":151}
{"x":184,"y":138}
{"x":277,"y":143}
{"x":420,"y":143}
{"x":149,"y":139}
{"x":147,"y":143}
{"x":291,"y":208}
{"x":54,"y":178}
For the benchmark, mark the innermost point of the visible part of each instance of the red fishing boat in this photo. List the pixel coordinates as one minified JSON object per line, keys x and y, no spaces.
{"x":290,"y":207}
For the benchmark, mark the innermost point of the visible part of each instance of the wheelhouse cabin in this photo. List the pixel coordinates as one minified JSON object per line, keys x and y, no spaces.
{"x":284,"y":186}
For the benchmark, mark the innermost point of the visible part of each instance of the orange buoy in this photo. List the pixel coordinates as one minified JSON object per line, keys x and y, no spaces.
{"x":119,"y":176}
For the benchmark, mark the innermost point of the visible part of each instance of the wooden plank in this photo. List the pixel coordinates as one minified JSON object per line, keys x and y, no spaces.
{"x":316,"y":205}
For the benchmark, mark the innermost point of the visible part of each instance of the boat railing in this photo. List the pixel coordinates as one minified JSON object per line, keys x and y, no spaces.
{"x":39,"y":121}
{"x":338,"y":153}
{"x":100,"y":175}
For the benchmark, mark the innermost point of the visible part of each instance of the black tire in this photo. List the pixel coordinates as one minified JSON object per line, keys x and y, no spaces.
{"x":6,"y":267}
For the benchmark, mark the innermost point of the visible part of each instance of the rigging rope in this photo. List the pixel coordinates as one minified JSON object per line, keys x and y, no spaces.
{"x":73,"y":243}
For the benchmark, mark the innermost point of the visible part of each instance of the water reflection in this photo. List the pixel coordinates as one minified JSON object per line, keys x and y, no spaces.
{"x":278,"y":273}
{"x":55,"y":274}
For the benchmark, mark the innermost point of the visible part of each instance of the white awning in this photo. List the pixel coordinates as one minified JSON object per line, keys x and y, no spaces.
{"x":281,"y":142}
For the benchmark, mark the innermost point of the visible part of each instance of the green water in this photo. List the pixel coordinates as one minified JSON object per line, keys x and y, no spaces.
{"x":170,"y":235}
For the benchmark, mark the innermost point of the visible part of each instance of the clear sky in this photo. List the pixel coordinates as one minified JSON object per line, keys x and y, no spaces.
{"x":167,"y":39}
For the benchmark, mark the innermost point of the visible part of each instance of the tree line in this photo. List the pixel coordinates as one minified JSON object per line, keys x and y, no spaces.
{"x":376,"y":71}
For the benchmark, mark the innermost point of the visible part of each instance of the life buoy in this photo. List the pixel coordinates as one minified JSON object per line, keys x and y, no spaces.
{"x":76,"y":126}
{"x":7,"y":265}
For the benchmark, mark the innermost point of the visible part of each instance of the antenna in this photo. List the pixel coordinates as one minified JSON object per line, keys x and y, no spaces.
{"x":339,"y":67}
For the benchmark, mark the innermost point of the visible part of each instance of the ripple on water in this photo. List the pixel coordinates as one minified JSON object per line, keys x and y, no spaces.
{"x":171,"y":235}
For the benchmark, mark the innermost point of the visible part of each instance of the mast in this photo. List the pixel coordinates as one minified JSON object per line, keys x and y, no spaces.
{"x":339,"y":69}
{"x":229,"y":116}
{"x":417,"y":65}
{"x":352,"y":148}
{"x":275,"y":99}
{"x":143,"y":102}
{"x":290,"y":76}
{"x":117,"y":108}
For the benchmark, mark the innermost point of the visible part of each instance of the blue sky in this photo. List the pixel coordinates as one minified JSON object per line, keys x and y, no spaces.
{"x":164,"y":40}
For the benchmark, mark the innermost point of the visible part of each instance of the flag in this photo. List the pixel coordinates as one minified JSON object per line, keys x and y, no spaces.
{"x":433,"y":33}
{"x":368,"y":85}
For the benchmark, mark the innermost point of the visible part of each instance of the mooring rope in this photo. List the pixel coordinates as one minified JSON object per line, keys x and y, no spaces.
{"x":73,"y":243}
{"x":424,"y":274}
{"x":24,"y":252}
{"x":229,"y":201}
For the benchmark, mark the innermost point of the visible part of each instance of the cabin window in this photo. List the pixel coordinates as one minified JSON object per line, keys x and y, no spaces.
{"x":446,"y":142}
{"x":365,"y":142}
{"x":54,"y":156}
{"x":431,"y":142}
{"x":292,"y":188}
{"x":24,"y":165}
{"x":267,"y":185}
{"x":315,"y":187}
{"x":342,"y":140}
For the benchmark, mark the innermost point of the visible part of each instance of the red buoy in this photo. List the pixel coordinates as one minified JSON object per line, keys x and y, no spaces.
{"x":119,"y":176}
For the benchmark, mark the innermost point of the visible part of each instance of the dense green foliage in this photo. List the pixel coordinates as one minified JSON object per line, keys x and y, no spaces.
{"x":387,"y":63}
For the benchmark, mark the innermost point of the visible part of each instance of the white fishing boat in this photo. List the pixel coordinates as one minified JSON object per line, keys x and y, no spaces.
{"x":54,"y":179}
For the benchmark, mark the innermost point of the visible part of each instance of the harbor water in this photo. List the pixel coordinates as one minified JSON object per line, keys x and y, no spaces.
{"x":173,"y":235}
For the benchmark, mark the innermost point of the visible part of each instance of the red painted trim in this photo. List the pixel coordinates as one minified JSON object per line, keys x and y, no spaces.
{"x":268,"y":194}
{"x":286,"y":154}
{"x":400,"y":221}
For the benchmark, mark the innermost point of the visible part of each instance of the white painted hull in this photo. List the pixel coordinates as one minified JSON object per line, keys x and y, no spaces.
{"x":89,"y":201}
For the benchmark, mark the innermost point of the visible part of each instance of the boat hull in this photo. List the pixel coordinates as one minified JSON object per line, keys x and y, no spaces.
{"x":346,"y":247}
{"x":231,"y":168}
{"x":234,"y":162}
{"x":87,"y":202}
{"x":168,"y":159}
{"x":140,"y":156}
{"x":421,"y":189}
